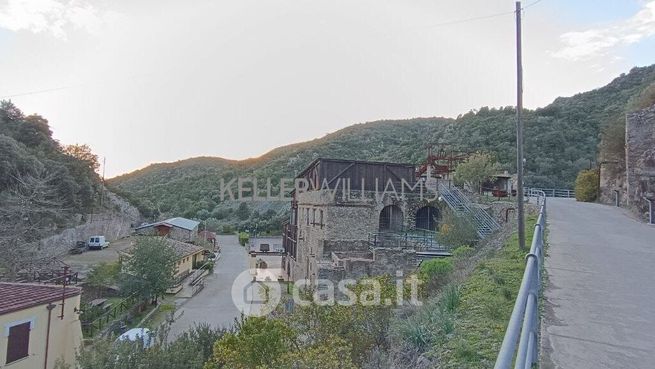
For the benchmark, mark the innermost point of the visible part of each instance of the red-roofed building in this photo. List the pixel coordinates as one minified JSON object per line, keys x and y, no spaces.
{"x":40,"y":325}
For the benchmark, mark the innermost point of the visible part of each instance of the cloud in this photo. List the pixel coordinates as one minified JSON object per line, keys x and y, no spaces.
{"x":584,"y":45}
{"x":55,"y":17}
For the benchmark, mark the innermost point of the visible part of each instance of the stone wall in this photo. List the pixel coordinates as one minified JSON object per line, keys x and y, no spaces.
{"x":347,"y":222}
{"x":640,"y":159}
{"x":613,"y":179}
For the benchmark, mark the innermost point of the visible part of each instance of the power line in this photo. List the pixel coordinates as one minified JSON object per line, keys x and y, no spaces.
{"x":38,"y":91}
{"x":531,"y":4}
{"x":482,"y":17}
{"x":466,"y":20}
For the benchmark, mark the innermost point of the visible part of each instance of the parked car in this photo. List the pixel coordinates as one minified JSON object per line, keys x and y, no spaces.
{"x":143,"y":335}
{"x":80,"y":247}
{"x":97,"y":243}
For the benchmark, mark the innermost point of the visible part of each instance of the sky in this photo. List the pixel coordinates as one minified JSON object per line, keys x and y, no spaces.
{"x":144,"y":81}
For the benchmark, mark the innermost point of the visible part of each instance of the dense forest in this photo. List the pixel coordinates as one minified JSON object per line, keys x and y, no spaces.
{"x":561,"y":139}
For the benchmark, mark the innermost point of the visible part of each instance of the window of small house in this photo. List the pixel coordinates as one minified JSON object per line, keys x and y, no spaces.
{"x":18,"y":342}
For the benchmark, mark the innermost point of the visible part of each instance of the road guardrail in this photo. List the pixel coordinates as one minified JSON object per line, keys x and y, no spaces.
{"x":520,"y":343}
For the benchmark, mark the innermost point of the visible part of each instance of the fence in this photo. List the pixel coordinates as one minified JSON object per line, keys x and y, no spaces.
{"x":523,"y":326}
{"x":552,"y":192}
{"x":97,"y":323}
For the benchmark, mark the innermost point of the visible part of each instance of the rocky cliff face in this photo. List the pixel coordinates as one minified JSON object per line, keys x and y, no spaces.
{"x":640,"y":158}
{"x":114,"y":221}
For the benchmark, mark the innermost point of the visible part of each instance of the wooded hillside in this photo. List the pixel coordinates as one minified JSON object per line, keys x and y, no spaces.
{"x":561,"y":139}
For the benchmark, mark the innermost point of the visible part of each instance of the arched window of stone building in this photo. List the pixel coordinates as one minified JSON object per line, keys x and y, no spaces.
{"x":427,"y":217}
{"x":391,"y":218}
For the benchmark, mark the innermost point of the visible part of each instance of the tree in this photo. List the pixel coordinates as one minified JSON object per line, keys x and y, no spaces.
{"x":28,"y":210}
{"x":84,"y":154}
{"x":35,"y":131}
{"x":189,"y":351}
{"x":150,"y":269}
{"x":258,"y":343}
{"x":477,"y":169}
{"x":243,"y":211}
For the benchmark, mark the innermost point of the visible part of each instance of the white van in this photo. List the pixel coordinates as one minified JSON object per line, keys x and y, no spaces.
{"x":97,"y":243}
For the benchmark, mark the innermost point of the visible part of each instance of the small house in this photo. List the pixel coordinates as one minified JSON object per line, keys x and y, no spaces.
{"x":188,"y":255}
{"x":180,"y":229}
{"x":40,"y":325}
{"x":500,"y":185}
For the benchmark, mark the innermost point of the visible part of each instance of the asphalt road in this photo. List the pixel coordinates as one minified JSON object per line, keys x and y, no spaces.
{"x":213,"y":305}
{"x":600,"y":294}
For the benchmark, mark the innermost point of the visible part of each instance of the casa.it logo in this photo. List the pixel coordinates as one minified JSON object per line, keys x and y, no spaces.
{"x":256,"y":292}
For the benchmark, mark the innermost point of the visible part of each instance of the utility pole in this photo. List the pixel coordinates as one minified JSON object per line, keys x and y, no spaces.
{"x":519,"y":129}
{"x":102,"y":190}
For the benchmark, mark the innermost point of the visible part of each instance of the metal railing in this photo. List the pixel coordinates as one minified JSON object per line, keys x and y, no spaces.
{"x":484,"y":223}
{"x":523,"y":326}
{"x":417,"y":239}
{"x":553,"y":192}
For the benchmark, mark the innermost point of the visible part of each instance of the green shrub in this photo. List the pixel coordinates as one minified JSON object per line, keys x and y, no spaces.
{"x":429,"y":326}
{"x":586,"y":186}
{"x":463,"y":252}
{"x":207,"y":265}
{"x":244,"y":237}
{"x":435,"y":272}
{"x":436,"y":268}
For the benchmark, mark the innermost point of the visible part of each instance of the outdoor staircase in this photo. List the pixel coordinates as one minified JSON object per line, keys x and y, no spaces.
{"x":484,"y":223}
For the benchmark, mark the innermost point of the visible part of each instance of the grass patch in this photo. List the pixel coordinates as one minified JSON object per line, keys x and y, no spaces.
{"x":485,"y":304}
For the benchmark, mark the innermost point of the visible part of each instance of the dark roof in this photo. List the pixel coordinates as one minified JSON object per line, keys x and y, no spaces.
{"x":20,"y":296}
{"x":183,"y":249}
{"x":328,"y":160}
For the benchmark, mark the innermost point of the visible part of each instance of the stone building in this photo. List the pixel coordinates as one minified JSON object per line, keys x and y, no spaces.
{"x":358,"y":218}
{"x":632,"y":180}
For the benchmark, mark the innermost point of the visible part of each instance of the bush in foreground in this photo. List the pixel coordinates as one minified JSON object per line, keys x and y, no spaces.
{"x":586,"y":186}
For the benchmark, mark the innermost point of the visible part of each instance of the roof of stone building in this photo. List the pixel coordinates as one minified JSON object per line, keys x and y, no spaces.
{"x":178,"y":222}
{"x":20,"y":296}
{"x":366,"y":162}
{"x":182,"y":249}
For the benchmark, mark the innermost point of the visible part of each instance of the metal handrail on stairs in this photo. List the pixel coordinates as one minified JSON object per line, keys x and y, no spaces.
{"x":484,"y":223}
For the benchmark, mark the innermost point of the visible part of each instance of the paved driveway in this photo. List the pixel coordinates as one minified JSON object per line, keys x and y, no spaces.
{"x":213,"y":305}
{"x":600,"y":298}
